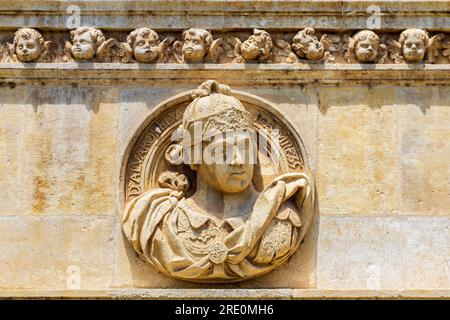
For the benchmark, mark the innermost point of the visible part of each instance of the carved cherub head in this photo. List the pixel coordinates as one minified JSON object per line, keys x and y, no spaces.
{"x":224,"y":135}
{"x":306,"y":45}
{"x":28,"y":44}
{"x":196,"y":44}
{"x":414,"y":44}
{"x":257,"y":46}
{"x":144,"y":42}
{"x":85,"y":42}
{"x":365,"y":46}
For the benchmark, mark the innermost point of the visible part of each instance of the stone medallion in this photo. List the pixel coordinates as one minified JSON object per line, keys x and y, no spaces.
{"x":212,"y":221}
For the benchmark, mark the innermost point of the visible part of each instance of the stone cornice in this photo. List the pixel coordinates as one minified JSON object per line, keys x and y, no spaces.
{"x":236,"y":74}
{"x":164,"y":15}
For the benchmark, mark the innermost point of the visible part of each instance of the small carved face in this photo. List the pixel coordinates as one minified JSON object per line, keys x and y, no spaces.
{"x":366,"y":50}
{"x":414,"y":49}
{"x":193,"y":47}
{"x":28,"y":49}
{"x":228,"y":175}
{"x":83,"y":46}
{"x":145,"y":48}
{"x":250,"y":48}
{"x":308,"y":46}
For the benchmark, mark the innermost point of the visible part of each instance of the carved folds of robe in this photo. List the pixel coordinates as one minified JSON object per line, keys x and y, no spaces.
{"x":180,"y":241}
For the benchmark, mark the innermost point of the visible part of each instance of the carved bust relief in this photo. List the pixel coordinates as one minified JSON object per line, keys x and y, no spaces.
{"x":237,"y":209}
{"x":414,"y":44}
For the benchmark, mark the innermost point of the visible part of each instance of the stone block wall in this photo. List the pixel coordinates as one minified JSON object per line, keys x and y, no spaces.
{"x":377,"y":140}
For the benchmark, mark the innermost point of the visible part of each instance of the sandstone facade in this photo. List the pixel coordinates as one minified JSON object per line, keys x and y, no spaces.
{"x":376,"y":137}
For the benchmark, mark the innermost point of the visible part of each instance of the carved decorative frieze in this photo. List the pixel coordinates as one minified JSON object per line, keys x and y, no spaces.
{"x":146,"y":46}
{"x":414,"y":45}
{"x":308,"y":45}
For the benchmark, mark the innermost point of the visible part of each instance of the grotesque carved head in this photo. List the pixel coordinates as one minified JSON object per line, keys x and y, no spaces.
{"x":257,"y":46}
{"x":414,"y":43}
{"x":144,"y":42}
{"x":365,"y":46}
{"x":85,"y":42}
{"x":196,"y":43}
{"x":28,"y":44}
{"x":221,"y":125}
{"x":306,"y":45}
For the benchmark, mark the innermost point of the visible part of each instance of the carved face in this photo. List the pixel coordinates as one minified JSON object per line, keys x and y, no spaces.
{"x":366,"y":50}
{"x":308,"y":46}
{"x":83,"y":46}
{"x":250,"y":48}
{"x":414,"y":49}
{"x":28,"y":49}
{"x":145,"y":48}
{"x":233,"y":175}
{"x":193,"y":47}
